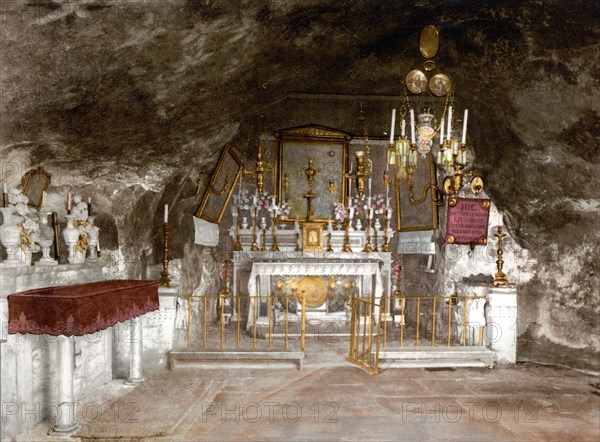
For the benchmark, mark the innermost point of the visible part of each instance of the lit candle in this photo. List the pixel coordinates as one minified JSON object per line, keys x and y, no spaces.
{"x":403,"y":127}
{"x":464,"y":132}
{"x":442,"y":133}
{"x":69,"y":201}
{"x":393,"y":127}
{"x":412,"y":126}
{"x":449,"y":122}
{"x":166,"y":213}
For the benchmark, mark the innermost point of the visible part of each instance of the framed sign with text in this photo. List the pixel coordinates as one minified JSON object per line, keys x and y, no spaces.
{"x":468,"y":220}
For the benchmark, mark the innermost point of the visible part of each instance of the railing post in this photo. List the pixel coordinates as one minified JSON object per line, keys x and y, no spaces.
{"x":189,"y":321}
{"x":303,"y":332}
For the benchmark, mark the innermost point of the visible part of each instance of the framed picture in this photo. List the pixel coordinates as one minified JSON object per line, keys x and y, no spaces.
{"x":411,"y":217}
{"x":220,"y":187}
{"x":33,"y":184}
{"x":312,"y":237}
{"x":328,"y":150}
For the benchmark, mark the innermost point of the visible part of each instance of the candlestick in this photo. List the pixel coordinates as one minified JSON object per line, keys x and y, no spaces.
{"x":349,"y":191}
{"x":56,"y":237}
{"x":4,"y":188}
{"x":238,"y":243}
{"x":166,"y":213}
{"x":240,"y":188}
{"x":346,"y":247}
{"x":393,"y":127}
{"x":449,"y":122}
{"x":385,"y":247}
{"x":368,"y":247}
{"x":274,"y":245}
{"x":165,"y":280}
{"x":5,"y":195}
{"x":464,"y":131}
{"x":412,"y":126}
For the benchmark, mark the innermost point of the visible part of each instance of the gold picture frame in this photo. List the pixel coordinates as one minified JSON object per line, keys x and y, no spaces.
{"x":424,"y":216}
{"x":221,"y":186}
{"x":328,"y":148}
{"x":312,"y":237}
{"x":33,"y":185}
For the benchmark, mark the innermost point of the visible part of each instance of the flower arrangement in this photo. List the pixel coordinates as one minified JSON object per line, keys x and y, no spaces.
{"x":359,"y":203}
{"x":339,"y":211}
{"x":284,"y":211}
{"x":378,"y":204}
{"x":264,"y":201}
{"x":246,"y":199}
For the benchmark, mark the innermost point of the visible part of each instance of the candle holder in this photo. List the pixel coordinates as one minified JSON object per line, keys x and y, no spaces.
{"x":375,"y":246}
{"x":385,"y":247}
{"x":238,"y":243}
{"x":368,"y":247}
{"x":5,"y":199}
{"x":297,"y":249}
{"x":165,"y":280}
{"x":329,"y":247}
{"x":500,"y":278}
{"x":274,"y":246}
{"x":254,"y":247}
{"x":346,"y":247}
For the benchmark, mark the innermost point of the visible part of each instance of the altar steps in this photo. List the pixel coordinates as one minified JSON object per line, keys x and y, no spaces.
{"x":427,"y":357}
{"x":242,"y":358}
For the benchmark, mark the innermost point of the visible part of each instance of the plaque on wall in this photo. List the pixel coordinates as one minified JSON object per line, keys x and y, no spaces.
{"x":467,"y":221}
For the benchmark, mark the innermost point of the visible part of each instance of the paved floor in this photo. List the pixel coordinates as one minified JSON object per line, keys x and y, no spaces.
{"x":331,"y":399}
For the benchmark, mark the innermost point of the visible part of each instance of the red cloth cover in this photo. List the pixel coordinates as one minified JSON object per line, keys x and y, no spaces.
{"x":75,"y":310}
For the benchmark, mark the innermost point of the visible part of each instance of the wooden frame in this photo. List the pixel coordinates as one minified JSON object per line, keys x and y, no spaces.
{"x":221,"y":186}
{"x":329,"y":150}
{"x":33,"y":185}
{"x":312,"y":237}
{"x":424,"y":216}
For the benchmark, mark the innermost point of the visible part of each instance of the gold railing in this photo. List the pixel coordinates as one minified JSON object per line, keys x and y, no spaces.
{"x":247,"y":311}
{"x":364,"y":332}
{"x":440,"y":310}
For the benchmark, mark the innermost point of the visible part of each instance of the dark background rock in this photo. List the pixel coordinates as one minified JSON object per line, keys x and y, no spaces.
{"x":131,"y":102}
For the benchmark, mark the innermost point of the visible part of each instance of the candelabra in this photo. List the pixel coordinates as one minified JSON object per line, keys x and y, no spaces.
{"x":165,"y":280}
{"x":346,"y":247}
{"x":500,"y":279}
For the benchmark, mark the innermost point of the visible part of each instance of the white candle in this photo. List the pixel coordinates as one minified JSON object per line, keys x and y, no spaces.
{"x":412,"y":126}
{"x":369,"y":188}
{"x":240,"y":189}
{"x":89,"y":200}
{"x":43,"y":199}
{"x":449,"y":121}
{"x":389,"y":213}
{"x":166,"y":213}
{"x":349,"y":191}
{"x":4,"y":188}
{"x":442,"y":132}
{"x":464,"y":132}
{"x":393,"y":127}
{"x":68,"y":200}
{"x":403,"y":127}
{"x":98,"y":244}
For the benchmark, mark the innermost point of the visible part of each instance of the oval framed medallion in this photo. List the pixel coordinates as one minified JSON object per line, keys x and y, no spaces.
{"x":416,"y":81}
{"x":315,"y":290}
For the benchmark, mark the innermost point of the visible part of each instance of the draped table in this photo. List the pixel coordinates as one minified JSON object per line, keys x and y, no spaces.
{"x":76,"y":310}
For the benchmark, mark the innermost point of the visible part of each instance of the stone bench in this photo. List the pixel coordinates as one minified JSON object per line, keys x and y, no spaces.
{"x":234,"y":358}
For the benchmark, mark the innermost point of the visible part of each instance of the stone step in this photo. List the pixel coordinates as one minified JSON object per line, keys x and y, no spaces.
{"x":236,"y":358}
{"x":437,"y":357}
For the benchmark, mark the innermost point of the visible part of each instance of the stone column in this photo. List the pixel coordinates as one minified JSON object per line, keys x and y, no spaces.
{"x":135,"y":358}
{"x":65,"y":416}
{"x":502,"y":325}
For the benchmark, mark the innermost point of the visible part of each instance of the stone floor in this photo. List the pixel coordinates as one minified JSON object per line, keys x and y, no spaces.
{"x":331,"y":399}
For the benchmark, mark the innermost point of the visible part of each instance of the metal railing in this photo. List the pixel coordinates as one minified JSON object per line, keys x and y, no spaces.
{"x":364,"y":332}
{"x":240,"y":317}
{"x":447,"y":320}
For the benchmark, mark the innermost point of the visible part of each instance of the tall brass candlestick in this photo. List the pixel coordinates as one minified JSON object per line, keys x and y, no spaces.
{"x":385,"y":247}
{"x":238,"y":243}
{"x":346,"y":247}
{"x":274,"y":246}
{"x":263,"y":247}
{"x":368,"y":247}
{"x":165,"y":280}
{"x":254,"y":247}
{"x":500,"y":278}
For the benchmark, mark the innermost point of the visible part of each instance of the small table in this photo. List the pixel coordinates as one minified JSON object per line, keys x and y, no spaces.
{"x":76,"y":310}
